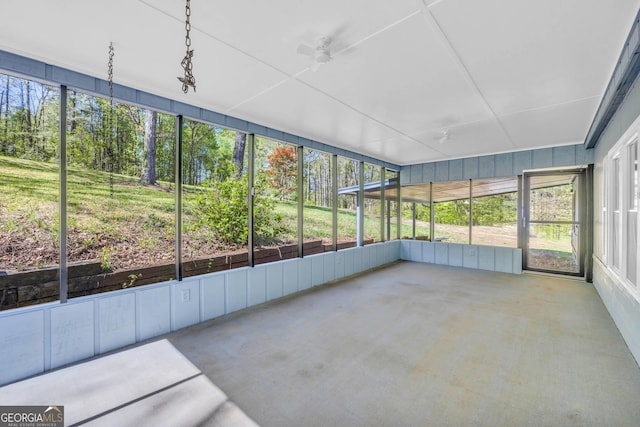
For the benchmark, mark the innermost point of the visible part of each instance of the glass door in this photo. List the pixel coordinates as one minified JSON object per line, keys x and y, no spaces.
{"x":554,"y":215}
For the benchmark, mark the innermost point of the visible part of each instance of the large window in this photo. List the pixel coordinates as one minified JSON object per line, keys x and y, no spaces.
{"x":275,"y":201}
{"x":494,"y":212}
{"x":348,"y":187}
{"x":214,"y":199}
{"x":620,"y":210}
{"x":615,"y":211}
{"x":121,"y":198}
{"x":416,"y":212}
{"x":392,"y":200}
{"x":318,"y":201}
{"x":29,"y":192}
{"x":632,"y":213}
{"x":372,"y":204}
{"x":451,"y":211}
{"x":492,"y":203}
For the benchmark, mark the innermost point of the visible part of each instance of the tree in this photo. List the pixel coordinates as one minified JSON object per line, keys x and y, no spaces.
{"x":282,"y":171}
{"x":149,"y":169}
{"x":223,"y":211}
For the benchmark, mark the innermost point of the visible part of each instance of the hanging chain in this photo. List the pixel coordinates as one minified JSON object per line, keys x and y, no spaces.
{"x":110,"y":121}
{"x":188,"y":79}
{"x":110,"y":74}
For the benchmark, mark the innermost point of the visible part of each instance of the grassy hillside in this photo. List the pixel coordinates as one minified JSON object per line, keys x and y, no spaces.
{"x":115,"y":219}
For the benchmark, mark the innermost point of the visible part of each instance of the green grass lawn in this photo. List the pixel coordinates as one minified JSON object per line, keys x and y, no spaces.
{"x":317,"y":222}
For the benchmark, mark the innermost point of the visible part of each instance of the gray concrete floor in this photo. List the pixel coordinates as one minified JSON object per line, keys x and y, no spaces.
{"x":408,"y":345}
{"x":416,"y":344}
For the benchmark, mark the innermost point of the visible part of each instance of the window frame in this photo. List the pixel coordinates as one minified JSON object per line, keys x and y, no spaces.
{"x":620,"y":203}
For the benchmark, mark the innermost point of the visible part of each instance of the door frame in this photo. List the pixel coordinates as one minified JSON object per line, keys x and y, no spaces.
{"x":584,"y":206}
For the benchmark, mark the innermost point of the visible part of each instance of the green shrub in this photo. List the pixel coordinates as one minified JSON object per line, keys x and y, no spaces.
{"x":223,"y":210}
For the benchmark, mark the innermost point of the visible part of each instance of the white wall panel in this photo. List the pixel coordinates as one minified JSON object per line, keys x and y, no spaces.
{"x":357,"y":259}
{"x":504,"y":260}
{"x":275,"y":280}
{"x":416,"y":251}
{"x":186,"y":303}
{"x":392,"y":251}
{"x":508,"y":260}
{"x":72,"y":332}
{"x":317,"y":269}
{"x":373,"y":256}
{"x":257,"y":285}
{"x":365,"y":256}
{"x":304,"y":273}
{"x":339,"y":265}
{"x":470,"y":256}
{"x":153,"y":311}
{"x":623,"y":307}
{"x":486,"y":260}
{"x":22,"y":346}
{"x":290,"y":276}
{"x":212,"y":296}
{"x":517,"y":261}
{"x":442,"y":253}
{"x":381,"y":258}
{"x":428,"y":252}
{"x":455,"y":255}
{"x":116,"y":326}
{"x":349,"y":263}
{"x":236,"y":290}
{"x":405,"y":249}
{"x":329,"y":266}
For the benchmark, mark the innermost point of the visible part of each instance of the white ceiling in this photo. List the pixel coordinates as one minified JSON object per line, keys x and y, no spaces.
{"x":497,"y":75}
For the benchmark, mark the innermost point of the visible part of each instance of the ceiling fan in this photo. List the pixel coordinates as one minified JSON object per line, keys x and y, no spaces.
{"x":320,"y":53}
{"x":443,"y":136}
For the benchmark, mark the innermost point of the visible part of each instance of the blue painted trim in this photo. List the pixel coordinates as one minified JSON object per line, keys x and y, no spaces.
{"x":46,"y":73}
{"x":625,"y":73}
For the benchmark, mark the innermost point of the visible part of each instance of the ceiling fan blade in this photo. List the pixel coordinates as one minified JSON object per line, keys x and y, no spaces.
{"x":303,"y":49}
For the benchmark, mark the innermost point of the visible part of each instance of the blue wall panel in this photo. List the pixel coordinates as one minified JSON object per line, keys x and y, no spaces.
{"x":542,"y":158}
{"x":442,"y":171}
{"x":428,"y":172}
{"x":504,"y":165}
{"x":470,"y":166}
{"x":564,"y":156}
{"x":521,"y":161}
{"x":456,"y":172}
{"x":487,"y":167}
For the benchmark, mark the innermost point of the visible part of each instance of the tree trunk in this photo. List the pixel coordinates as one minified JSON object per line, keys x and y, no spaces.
{"x":28,"y":117}
{"x":6,"y":119}
{"x":238,"y":151}
{"x":3,"y":140}
{"x":149,"y":170}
